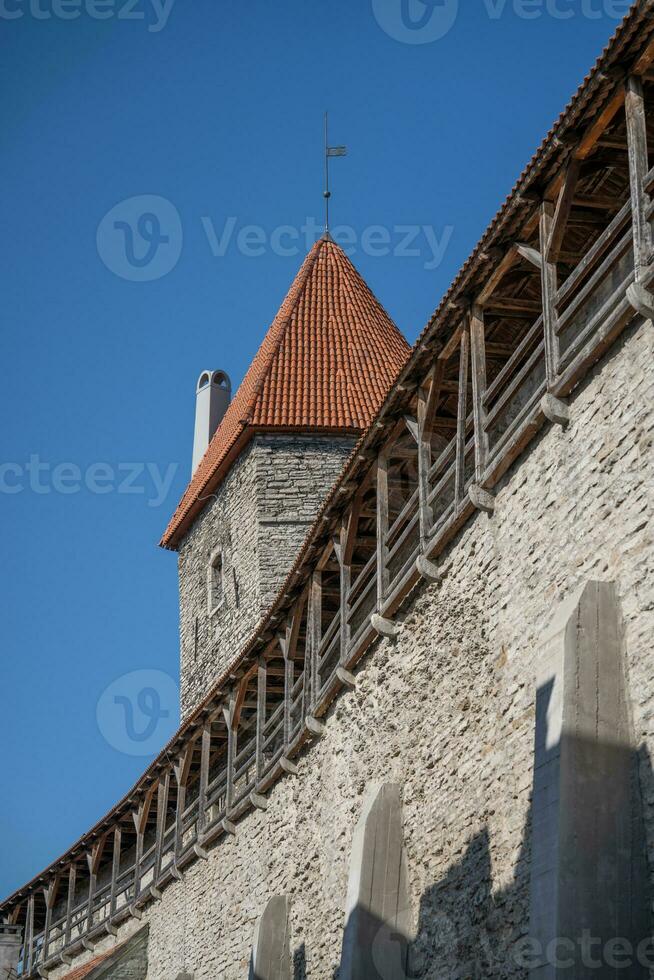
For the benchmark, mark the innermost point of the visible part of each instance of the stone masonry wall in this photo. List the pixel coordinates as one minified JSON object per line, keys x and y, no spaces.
{"x":258,"y":520}
{"x":447,"y":711}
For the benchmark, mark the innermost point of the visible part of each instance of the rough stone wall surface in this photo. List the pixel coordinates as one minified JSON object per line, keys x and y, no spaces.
{"x":447,"y":711}
{"x":258,"y":520}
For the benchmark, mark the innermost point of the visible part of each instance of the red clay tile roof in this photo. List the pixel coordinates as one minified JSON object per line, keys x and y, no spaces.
{"x":327,"y":362}
{"x":83,"y":971}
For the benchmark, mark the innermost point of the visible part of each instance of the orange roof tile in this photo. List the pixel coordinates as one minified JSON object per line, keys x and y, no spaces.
{"x":327,"y":362}
{"x":83,"y":971}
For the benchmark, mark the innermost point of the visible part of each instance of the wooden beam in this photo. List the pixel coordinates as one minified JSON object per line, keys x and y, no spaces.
{"x":464,"y":357}
{"x":232,"y":736}
{"x":345,"y":583}
{"x":50,"y":896}
{"x":424,"y":465}
{"x":163,"y":792}
{"x":352,"y":527}
{"x":140,"y":818}
{"x":548,"y":291}
{"x":314,"y":637}
{"x":240,"y":697}
{"x":531,"y":255}
{"x":261,"y":716}
{"x":599,"y":125}
{"x":478,"y":350}
{"x":70,"y":900}
{"x":435,"y":388}
{"x":382,"y":528}
{"x":559,"y":222}
{"x":499,"y":305}
{"x":638,"y":168}
{"x":497,"y":275}
{"x":28,"y":938}
{"x":204,"y":775}
{"x":115,"y":869}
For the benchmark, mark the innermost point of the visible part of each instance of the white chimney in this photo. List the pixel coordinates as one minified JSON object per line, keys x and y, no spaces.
{"x":212,"y":398}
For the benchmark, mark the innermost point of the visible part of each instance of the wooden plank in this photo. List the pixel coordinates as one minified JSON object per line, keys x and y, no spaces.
{"x":499,"y":305}
{"x":424,"y":466}
{"x":345,"y":583}
{"x":352,"y":526}
{"x":599,"y":125}
{"x":204,"y":775}
{"x":559,"y":222}
{"x":261,"y":716}
{"x":115,"y":869}
{"x":548,"y":288}
{"x":240,"y":697}
{"x":231,"y":752}
{"x":382,"y":528}
{"x":497,"y":275}
{"x":163,"y":791}
{"x":638,"y":168}
{"x":28,"y":939}
{"x":70,"y":902}
{"x":478,"y":349}
{"x":435,"y":388}
{"x":50,"y":896}
{"x":314,"y":638}
{"x":464,"y":356}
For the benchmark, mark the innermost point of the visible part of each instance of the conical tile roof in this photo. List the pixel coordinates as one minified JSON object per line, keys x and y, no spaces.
{"x":326,"y":364}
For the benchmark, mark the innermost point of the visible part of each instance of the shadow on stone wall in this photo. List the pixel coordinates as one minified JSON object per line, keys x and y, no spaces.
{"x":599,"y":871}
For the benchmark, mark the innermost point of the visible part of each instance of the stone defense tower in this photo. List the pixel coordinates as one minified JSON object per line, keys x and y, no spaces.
{"x":317,"y":380}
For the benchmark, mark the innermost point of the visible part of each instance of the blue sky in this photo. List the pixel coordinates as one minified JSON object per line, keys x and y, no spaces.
{"x":216,"y":108}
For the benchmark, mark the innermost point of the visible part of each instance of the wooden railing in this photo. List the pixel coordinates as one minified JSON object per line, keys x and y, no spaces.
{"x":429,"y":477}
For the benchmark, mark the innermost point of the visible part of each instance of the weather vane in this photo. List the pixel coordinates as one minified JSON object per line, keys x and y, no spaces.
{"x":330,"y":151}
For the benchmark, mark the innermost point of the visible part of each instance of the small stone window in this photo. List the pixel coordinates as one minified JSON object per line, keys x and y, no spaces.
{"x":215,"y":588}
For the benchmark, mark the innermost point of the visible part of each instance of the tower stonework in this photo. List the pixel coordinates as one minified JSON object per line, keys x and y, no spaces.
{"x":255,"y":526}
{"x":321,"y":373}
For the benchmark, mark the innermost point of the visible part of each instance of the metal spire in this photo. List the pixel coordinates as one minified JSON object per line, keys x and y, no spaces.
{"x":330,"y":151}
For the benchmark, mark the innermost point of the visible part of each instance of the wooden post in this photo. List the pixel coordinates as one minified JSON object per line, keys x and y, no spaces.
{"x":427,"y":405}
{"x":50,"y":896}
{"x":478,"y":349}
{"x":228,"y":714}
{"x":93,"y":861}
{"x":140,"y":818}
{"x":382,"y":529}
{"x":314,"y":637}
{"x":28,"y":951}
{"x":182,"y":770}
{"x":261,"y":716}
{"x":548,"y":281}
{"x":345,"y":565}
{"x":464,"y":357}
{"x":115,"y":869}
{"x":204,"y":776}
{"x":638,"y":167}
{"x":163,"y":791}
{"x":70,"y":900}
